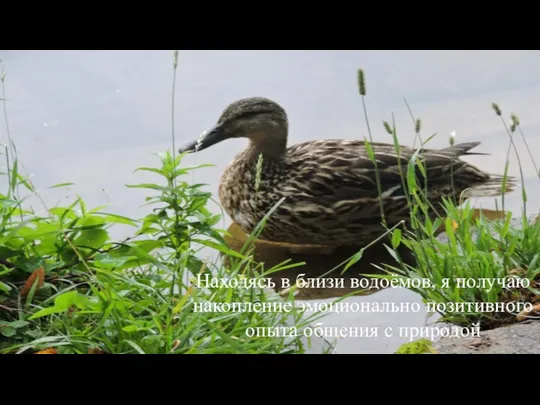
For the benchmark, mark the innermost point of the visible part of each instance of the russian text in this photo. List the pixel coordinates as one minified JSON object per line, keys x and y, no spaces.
{"x":243,"y":307}
{"x":478,"y":307}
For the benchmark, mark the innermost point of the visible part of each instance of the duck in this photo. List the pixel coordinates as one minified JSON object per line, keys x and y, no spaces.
{"x":328,"y":192}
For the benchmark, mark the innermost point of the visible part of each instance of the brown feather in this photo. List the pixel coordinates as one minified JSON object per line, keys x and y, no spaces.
{"x":330,"y":189}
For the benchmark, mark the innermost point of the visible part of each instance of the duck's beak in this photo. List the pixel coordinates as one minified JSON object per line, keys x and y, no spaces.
{"x":214,"y":135}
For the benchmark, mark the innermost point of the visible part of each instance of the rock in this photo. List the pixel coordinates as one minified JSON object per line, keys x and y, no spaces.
{"x":521,"y":338}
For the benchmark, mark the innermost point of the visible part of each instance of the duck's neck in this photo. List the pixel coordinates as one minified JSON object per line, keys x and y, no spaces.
{"x":269,"y":147}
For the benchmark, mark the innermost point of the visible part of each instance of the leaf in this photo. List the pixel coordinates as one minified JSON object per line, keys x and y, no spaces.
{"x":47,"y":246}
{"x":63,"y":212}
{"x":191,"y":168}
{"x":130,"y":328}
{"x":221,"y":248}
{"x":66,"y":300}
{"x":148,"y":245}
{"x":39,"y":341}
{"x":18,"y":324}
{"x":392,"y":253}
{"x":106,"y":261}
{"x":8,"y":203}
{"x":7,"y":331}
{"x":62,"y":185}
{"x":42,"y":229}
{"x":61,"y":303}
{"x":396,"y":238}
{"x":149,"y":186}
{"x":140,"y":253}
{"x":81,"y":301}
{"x":182,"y":302}
{"x":135,"y":346}
{"x":4,"y":287}
{"x":152,"y":170}
{"x":113,"y":218}
{"x":93,"y":238}
{"x":7,"y":270}
{"x":357,"y":256}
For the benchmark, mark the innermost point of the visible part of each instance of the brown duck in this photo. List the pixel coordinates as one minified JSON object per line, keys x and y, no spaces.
{"x":329,"y":187}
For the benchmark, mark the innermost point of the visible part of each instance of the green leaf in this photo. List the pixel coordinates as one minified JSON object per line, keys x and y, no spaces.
{"x":149,"y":245}
{"x":392,"y":253}
{"x":113,"y":218}
{"x":81,"y":301}
{"x":8,"y":203}
{"x":63,"y":212}
{"x":182,"y":302}
{"x":357,"y":256}
{"x":42,"y":229}
{"x":130,"y":328}
{"x":7,"y":331}
{"x":152,"y":170}
{"x":221,"y":248}
{"x":396,"y":238}
{"x":48,"y":339}
{"x":7,"y":270}
{"x":135,"y":346}
{"x":149,"y":186}
{"x":45,"y":312}
{"x":61,"y":303}
{"x":93,"y":238}
{"x":4,"y":287}
{"x":64,"y":301}
{"x":140,"y":253}
{"x":62,"y":185}
{"x":106,"y":261}
{"x":18,"y":324}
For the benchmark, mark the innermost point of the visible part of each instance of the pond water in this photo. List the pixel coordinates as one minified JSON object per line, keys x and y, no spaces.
{"x":93,"y":117}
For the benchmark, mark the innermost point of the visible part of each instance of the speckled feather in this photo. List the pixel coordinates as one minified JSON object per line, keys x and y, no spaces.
{"x":330,"y":189}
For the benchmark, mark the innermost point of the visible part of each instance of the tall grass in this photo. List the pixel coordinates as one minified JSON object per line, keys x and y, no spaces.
{"x":479,"y":259}
{"x":67,"y":287}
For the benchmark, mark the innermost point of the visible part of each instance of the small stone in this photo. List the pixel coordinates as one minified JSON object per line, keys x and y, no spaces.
{"x":475,"y":343}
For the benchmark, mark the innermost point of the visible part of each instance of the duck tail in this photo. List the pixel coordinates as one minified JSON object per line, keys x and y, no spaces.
{"x":495,"y":186}
{"x":463,"y":149}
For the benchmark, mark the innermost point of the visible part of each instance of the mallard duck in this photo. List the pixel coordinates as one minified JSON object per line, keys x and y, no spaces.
{"x":329,"y":186}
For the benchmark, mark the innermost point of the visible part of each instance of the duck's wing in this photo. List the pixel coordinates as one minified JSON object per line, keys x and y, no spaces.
{"x":336,"y":173}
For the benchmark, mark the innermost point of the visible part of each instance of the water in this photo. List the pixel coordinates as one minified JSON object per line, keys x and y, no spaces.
{"x":92,"y":117}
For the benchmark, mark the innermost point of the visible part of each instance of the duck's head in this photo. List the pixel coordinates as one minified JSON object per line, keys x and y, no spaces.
{"x":262,"y":121}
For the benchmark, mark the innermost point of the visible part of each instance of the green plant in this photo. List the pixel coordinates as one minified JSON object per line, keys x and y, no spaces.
{"x":486,"y":271}
{"x":65,"y":285}
{"x":422,"y":346}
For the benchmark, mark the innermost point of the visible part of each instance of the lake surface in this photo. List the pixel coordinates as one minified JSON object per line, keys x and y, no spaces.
{"x":93,"y":117}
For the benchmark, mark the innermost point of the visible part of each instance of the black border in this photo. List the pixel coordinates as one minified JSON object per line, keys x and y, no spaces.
{"x":315,"y":361}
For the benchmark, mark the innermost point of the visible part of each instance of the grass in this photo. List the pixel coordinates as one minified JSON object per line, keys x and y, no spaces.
{"x":485,"y":271}
{"x":67,"y":287}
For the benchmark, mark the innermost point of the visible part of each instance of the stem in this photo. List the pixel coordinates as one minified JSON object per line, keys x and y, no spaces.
{"x":377,"y":175}
{"x":172,"y":184}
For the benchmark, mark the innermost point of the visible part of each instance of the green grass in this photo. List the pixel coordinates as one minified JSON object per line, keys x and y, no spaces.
{"x":487,"y":270}
{"x":482,"y":261}
{"x":66,"y":284}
